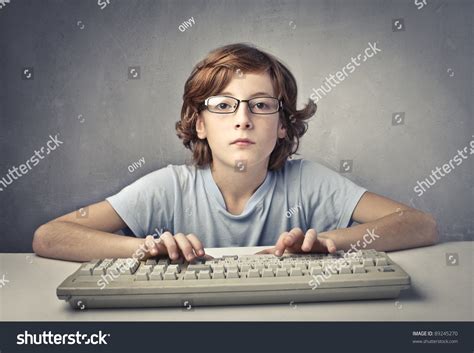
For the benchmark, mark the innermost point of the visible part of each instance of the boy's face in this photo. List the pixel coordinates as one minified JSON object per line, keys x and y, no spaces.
{"x":221,"y":130}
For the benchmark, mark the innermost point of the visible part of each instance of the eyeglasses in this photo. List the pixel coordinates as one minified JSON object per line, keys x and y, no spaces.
{"x":228,"y":105}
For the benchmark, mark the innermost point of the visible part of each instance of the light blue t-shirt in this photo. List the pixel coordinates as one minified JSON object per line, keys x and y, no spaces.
{"x":185,"y":199}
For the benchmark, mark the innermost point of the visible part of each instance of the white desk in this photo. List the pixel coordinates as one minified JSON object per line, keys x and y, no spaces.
{"x":439,"y":293}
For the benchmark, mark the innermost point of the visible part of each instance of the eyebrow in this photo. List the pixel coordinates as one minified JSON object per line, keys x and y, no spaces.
{"x":253,"y":95}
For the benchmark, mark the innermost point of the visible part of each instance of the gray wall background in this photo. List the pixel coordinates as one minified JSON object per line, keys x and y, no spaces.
{"x":81,"y":54}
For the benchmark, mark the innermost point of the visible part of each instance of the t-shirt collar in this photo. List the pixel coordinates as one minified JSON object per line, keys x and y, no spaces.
{"x":254,"y":200}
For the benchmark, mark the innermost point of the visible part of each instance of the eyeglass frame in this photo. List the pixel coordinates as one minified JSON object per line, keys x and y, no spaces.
{"x":280,"y":104}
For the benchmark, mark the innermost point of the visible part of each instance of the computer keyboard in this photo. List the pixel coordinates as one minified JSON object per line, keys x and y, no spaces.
{"x":231,"y":280}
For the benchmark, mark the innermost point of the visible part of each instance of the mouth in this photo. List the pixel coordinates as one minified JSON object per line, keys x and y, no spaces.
{"x":243,"y":142}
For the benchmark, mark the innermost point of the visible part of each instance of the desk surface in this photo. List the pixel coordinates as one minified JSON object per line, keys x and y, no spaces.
{"x":439,"y":292}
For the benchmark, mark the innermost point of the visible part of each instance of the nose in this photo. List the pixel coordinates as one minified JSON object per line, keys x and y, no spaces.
{"x":242,"y":117}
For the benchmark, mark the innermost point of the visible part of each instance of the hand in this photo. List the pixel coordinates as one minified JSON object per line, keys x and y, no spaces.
{"x":295,"y":241}
{"x":188,"y":246}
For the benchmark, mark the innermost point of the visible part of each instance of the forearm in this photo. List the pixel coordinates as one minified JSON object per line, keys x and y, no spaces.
{"x":74,"y":242}
{"x":400,"y":230}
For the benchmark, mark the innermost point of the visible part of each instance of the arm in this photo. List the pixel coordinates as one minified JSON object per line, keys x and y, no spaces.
{"x":385,"y":225}
{"x":82,"y":239}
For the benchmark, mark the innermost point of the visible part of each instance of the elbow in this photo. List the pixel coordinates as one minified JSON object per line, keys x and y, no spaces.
{"x":432,"y":235}
{"x":39,"y":240}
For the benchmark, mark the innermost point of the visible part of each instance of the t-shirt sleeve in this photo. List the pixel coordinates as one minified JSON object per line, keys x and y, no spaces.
{"x":147,"y":202}
{"x":330,"y":198}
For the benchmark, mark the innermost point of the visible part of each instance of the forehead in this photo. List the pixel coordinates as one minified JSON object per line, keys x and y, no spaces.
{"x":249,"y":84}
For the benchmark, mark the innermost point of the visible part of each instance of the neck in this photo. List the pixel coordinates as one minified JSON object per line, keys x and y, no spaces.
{"x":238,"y":186}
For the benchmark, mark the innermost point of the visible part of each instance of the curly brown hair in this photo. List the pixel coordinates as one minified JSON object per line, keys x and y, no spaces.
{"x":211,"y":75}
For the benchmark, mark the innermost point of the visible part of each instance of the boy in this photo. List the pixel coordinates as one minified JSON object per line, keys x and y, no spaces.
{"x":239,"y":119}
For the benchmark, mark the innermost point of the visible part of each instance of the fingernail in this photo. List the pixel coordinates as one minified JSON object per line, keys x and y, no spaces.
{"x":277,"y":252}
{"x":201,"y":252}
{"x":174,"y":255}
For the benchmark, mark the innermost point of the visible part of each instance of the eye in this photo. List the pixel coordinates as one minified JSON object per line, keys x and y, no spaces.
{"x":223,"y":106}
{"x":260,"y":105}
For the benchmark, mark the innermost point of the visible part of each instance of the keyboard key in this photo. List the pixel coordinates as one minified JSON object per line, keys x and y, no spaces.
{"x":156,"y":275}
{"x":344,"y":269}
{"x":273,"y":266}
{"x":133,"y":266}
{"x":217,"y":268}
{"x":368,"y":262}
{"x":141,"y":276}
{"x":204,"y":274}
{"x":245,"y":268}
{"x":301,"y":265}
{"x":281,"y":272}
{"x":296,"y":271}
{"x":253,"y":273}
{"x":160,"y":267}
{"x":150,"y":262}
{"x":230,"y":257}
{"x":190,"y":275}
{"x":358,"y":269}
{"x":232,"y":274}
{"x":95,"y":262}
{"x":99,"y":271}
{"x":218,"y":275}
{"x":170,"y":276}
{"x":268,"y":272}
{"x":145,"y":268}
{"x":286,"y":265}
{"x":198,"y":267}
{"x":86,"y":269}
{"x":173,"y":268}
{"x":259,"y":266}
{"x":231,"y":267}
{"x":316,"y":270}
{"x":380,"y":261}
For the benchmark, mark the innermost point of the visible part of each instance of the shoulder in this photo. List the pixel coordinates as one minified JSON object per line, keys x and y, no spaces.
{"x":302,"y":168}
{"x":166,"y":177}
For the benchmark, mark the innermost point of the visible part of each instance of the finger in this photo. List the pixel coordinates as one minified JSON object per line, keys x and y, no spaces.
{"x":170,"y":245}
{"x":309,"y":239}
{"x":196,"y":244}
{"x":150,"y":245}
{"x":288,"y":240}
{"x":280,"y":244}
{"x":329,"y":245}
{"x":185,"y":246}
{"x":294,"y":239}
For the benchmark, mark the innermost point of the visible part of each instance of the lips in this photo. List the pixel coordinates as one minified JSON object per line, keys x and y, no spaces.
{"x":243,"y":142}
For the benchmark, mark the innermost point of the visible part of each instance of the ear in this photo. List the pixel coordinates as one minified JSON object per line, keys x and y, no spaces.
{"x":281,"y":131}
{"x":201,"y":127}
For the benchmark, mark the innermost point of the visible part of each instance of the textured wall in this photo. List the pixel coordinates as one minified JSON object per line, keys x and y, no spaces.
{"x":80,"y":87}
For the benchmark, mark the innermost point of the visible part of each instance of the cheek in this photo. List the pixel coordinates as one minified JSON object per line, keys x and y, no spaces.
{"x":270,"y":131}
{"x":216,"y":133}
